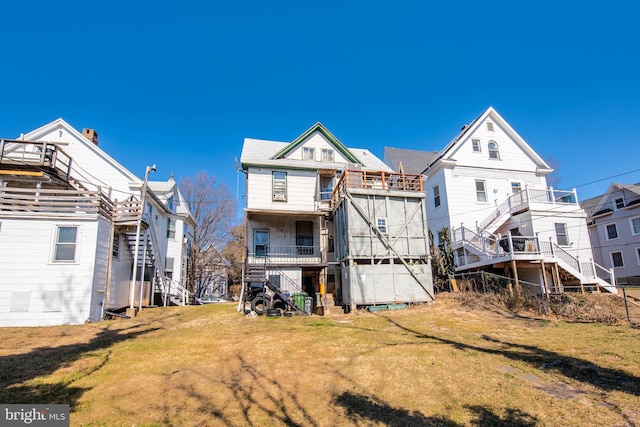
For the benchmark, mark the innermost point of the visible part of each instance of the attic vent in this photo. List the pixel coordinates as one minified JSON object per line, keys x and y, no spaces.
{"x":490,"y":126}
{"x":91,"y":135}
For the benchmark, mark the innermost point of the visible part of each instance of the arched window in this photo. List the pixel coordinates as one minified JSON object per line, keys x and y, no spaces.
{"x":493,"y":150}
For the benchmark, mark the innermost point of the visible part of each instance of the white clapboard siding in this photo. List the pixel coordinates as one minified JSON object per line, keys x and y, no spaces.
{"x":28,"y":267}
{"x":301,"y":190}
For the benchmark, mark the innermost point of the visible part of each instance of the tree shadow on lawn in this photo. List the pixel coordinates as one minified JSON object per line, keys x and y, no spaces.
{"x":606,"y":379}
{"x":361,"y":408}
{"x":18,"y":371}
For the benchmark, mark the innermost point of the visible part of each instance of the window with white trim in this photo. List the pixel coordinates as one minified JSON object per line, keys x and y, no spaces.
{"x":327,"y":155}
{"x":635,"y":226}
{"x":382,"y":224}
{"x":612,"y":231}
{"x":279,"y":187}
{"x":618,"y":203}
{"x":638,"y":255}
{"x":171,"y":228}
{"x":65,"y":244}
{"x":481,"y":191}
{"x":494,"y":153}
{"x":308,"y":153}
{"x":561,"y":234}
{"x":436,"y":196}
{"x":475,"y":143}
{"x":169,"y":263}
{"x":617,"y":261}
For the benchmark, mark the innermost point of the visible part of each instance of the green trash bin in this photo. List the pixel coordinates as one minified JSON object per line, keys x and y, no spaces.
{"x":298,"y":300}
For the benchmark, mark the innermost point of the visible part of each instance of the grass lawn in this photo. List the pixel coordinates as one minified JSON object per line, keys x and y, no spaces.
{"x":445,"y":364}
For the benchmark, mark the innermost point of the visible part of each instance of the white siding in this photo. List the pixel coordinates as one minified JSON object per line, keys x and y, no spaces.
{"x":301,"y":190}
{"x":27,"y":266}
{"x":317,"y":141}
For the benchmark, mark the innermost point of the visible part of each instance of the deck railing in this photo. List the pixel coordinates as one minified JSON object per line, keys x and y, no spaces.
{"x":375,"y":180}
{"x":54,"y":201}
{"x":27,"y":153}
{"x":523,"y":200}
{"x":286,"y":254}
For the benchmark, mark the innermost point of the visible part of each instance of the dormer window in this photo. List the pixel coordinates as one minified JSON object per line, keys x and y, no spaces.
{"x":619,"y":202}
{"x":327,"y":155}
{"x":494,"y":153}
{"x":308,"y":153}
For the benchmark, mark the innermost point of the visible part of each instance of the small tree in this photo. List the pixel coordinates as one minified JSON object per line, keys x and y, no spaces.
{"x":442,"y":261}
{"x":213,"y":208}
{"x":233,"y":252}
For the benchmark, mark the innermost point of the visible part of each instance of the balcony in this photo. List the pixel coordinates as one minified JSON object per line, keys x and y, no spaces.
{"x":375,"y":180}
{"x":295,"y":255}
{"x":24,"y":154}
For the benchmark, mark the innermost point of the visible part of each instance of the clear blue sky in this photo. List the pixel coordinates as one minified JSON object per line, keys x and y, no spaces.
{"x":182,"y":83}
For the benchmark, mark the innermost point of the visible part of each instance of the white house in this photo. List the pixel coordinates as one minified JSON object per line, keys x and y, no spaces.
{"x":70,"y":217}
{"x":614,"y":228}
{"x":329,"y":220}
{"x":487,"y":188}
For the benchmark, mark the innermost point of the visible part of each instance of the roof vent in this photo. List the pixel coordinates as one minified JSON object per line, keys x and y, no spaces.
{"x":91,"y":135}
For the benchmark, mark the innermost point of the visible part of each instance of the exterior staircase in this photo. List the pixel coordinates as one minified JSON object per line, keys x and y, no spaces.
{"x":258,"y":273}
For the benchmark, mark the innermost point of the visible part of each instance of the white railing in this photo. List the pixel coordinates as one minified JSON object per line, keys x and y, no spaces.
{"x":177,"y":290}
{"x":523,"y":199}
{"x":286,"y":254}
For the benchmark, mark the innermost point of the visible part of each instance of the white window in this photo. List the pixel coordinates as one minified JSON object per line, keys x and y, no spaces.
{"x":619,"y":203}
{"x":475,"y":143}
{"x":635,"y":226}
{"x":436,"y":196}
{"x":171,"y":228}
{"x":481,"y":191}
{"x":561,"y":234}
{"x":490,"y":126}
{"x":327,"y":155}
{"x":382,"y":224}
{"x":516,"y":187}
{"x":279,"y":186}
{"x":308,"y":153}
{"x":326,"y":187}
{"x":612,"y":231}
{"x":65,"y":244}
{"x":494,"y":153}
{"x":616,"y":260}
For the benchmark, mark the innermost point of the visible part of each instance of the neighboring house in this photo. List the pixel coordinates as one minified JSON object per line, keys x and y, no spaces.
{"x":213,"y":283}
{"x":614,"y":228}
{"x":180,"y":226}
{"x":487,"y":188}
{"x":69,"y":221}
{"x":328,"y":220}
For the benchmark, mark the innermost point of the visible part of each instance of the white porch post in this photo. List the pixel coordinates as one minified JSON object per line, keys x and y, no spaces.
{"x":143,"y":193}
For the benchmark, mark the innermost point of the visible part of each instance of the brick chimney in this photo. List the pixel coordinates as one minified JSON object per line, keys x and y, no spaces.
{"x":91,"y":135}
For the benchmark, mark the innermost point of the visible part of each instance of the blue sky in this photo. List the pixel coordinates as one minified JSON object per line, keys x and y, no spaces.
{"x":181,"y":84}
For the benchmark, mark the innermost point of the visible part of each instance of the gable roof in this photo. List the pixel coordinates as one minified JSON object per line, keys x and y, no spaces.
{"x":410,"y":161}
{"x":600,"y":208}
{"x":259,"y":152}
{"x":499,"y":121}
{"x":318,"y":127}
{"x":42,"y":131}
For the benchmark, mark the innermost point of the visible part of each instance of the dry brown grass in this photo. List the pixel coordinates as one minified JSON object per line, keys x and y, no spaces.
{"x":449,"y":364}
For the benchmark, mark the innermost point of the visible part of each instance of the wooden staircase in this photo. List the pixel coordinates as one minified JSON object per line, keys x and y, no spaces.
{"x":258,"y":273}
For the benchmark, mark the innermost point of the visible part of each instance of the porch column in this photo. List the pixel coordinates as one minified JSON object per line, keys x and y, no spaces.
{"x":544,"y":279}
{"x":514,"y":266}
